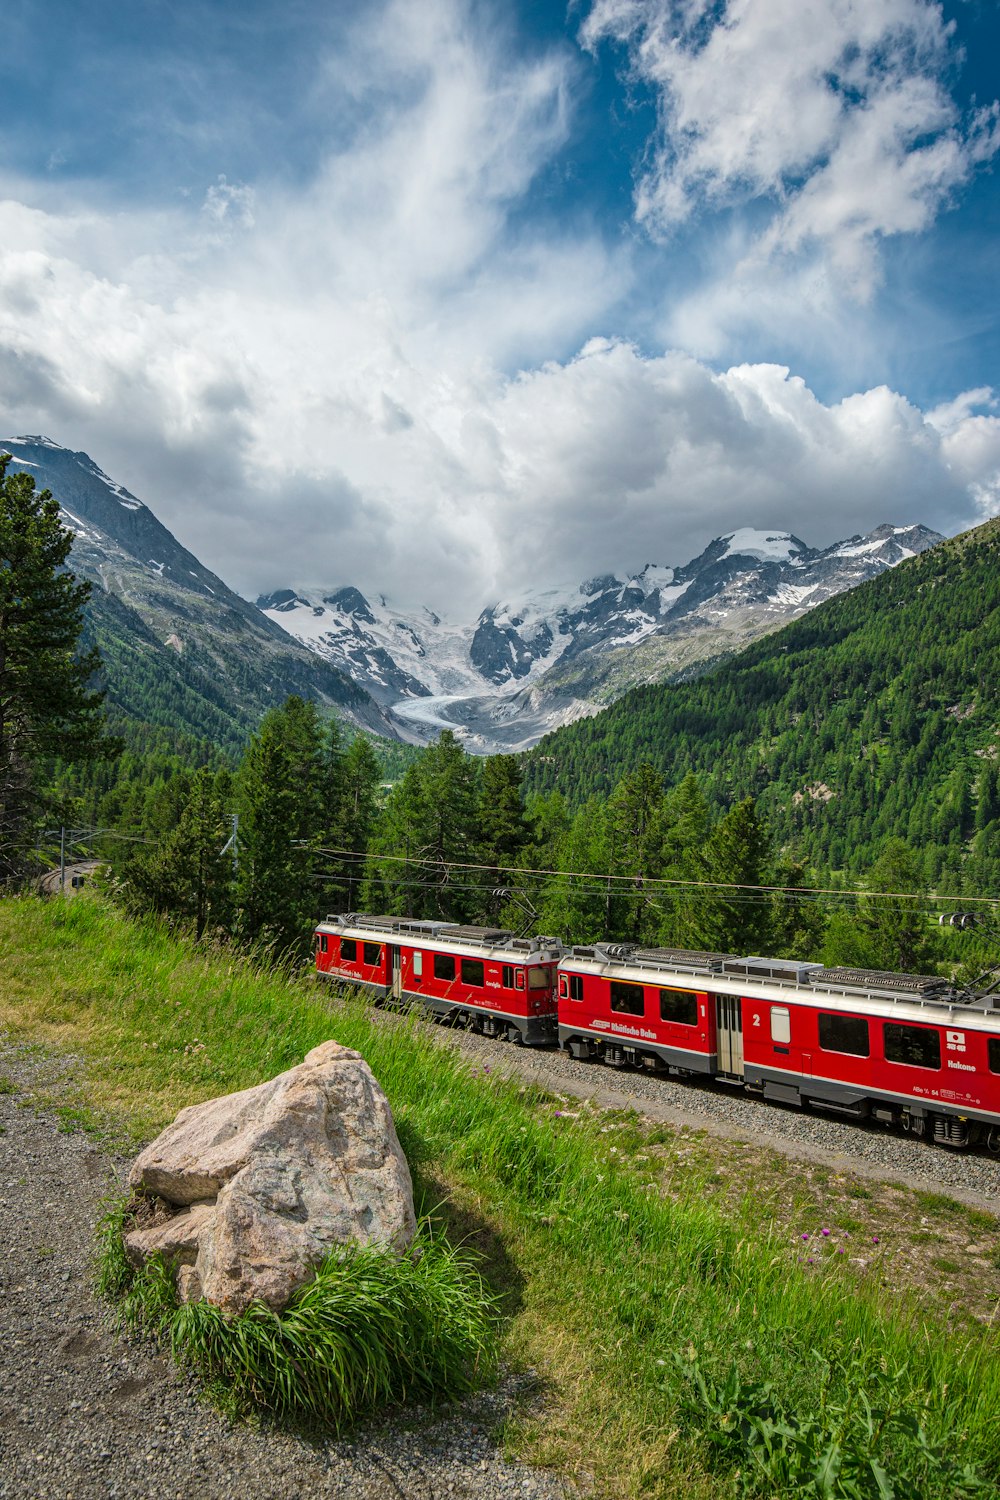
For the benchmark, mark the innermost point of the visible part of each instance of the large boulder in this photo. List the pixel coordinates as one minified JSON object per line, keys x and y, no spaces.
{"x":246,"y":1194}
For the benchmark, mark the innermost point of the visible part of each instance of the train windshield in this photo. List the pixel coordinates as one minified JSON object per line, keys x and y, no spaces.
{"x":539,"y":977}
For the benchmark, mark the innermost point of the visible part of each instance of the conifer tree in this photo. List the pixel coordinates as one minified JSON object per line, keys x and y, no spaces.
{"x":636,"y":828}
{"x":280,"y":794}
{"x":396,"y":879}
{"x":735,"y":854}
{"x":47,"y":706}
{"x":892,"y":920}
{"x":503,"y":832}
{"x":359,"y":808}
{"x":186,"y":875}
{"x":579,"y":905}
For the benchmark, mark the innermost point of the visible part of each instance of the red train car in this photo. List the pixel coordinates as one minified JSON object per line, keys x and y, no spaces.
{"x":481,"y":977}
{"x":901,"y":1048}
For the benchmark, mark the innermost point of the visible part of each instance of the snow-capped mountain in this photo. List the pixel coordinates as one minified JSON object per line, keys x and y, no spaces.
{"x":559,"y":653}
{"x":162,"y":618}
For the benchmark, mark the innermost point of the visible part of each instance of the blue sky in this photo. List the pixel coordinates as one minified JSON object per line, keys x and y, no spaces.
{"x":414,"y":294}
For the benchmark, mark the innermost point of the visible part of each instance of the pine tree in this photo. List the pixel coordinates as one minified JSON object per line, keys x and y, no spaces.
{"x":503,"y":831}
{"x":892,"y":920}
{"x":186,"y":875}
{"x":636,"y":827}
{"x":397,"y":881}
{"x":735,"y":854}
{"x":280,"y":794}
{"x":47,"y":706}
{"x":359,"y":809}
{"x":579,"y":905}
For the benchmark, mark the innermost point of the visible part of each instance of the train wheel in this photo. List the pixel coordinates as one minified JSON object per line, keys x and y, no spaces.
{"x":514,"y":1036}
{"x":993,"y":1140}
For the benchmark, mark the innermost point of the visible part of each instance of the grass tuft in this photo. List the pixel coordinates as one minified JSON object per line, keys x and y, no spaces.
{"x":371,"y":1329}
{"x":862,"y":1439}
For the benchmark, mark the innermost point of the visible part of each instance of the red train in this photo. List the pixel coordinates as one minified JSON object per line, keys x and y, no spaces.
{"x":905,"y":1049}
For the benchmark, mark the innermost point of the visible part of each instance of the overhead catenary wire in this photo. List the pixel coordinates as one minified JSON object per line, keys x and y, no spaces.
{"x":593,"y":882}
{"x":668,"y":882}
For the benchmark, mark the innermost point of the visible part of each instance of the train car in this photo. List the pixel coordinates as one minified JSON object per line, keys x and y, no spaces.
{"x":481,"y":977}
{"x":905,"y":1049}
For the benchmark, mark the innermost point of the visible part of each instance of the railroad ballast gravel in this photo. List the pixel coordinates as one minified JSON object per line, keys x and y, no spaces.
{"x":865,"y":1150}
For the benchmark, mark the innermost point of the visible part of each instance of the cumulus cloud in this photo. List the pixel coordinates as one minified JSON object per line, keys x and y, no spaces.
{"x":630,"y":459}
{"x":349,"y":378}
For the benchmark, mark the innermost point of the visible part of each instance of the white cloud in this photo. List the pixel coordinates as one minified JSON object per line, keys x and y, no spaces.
{"x":312,"y":384}
{"x":229,"y":203}
{"x":830,"y":117}
{"x":627,"y":459}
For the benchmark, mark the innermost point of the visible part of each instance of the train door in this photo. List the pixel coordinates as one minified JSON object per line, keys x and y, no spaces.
{"x":396,"y":971}
{"x":729,"y":1034}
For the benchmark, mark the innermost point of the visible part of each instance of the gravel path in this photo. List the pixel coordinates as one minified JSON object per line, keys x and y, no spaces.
{"x":87,"y":1415}
{"x":864,"y":1150}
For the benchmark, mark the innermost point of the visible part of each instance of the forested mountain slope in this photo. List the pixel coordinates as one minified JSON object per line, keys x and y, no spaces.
{"x":182,"y":651}
{"x":876,"y":714}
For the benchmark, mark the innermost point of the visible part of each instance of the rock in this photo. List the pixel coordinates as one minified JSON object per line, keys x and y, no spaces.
{"x":268,"y":1181}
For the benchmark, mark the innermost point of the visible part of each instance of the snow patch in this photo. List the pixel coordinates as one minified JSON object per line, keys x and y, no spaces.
{"x":769,"y":546}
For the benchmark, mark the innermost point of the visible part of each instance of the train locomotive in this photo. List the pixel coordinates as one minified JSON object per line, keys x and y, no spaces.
{"x":908,"y":1050}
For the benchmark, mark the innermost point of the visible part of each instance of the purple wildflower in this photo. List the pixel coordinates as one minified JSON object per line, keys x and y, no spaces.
{"x":826,"y":1234}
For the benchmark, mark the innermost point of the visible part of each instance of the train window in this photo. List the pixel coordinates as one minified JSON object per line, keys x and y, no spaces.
{"x":507,"y":977}
{"x":993,"y":1051}
{"x":781,"y":1025}
{"x":844,"y":1034}
{"x":627,"y":999}
{"x":472,"y":971}
{"x":680,"y":1006}
{"x":418,"y":964}
{"x":324,"y":943}
{"x":373,"y":953}
{"x":444,"y":966}
{"x":918,"y":1046}
{"x":349,"y":950}
{"x":539,"y":978}
{"x":575,"y":986}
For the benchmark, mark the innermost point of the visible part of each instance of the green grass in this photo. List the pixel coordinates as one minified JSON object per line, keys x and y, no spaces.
{"x":372,"y":1328}
{"x":942,"y":1207}
{"x":604,"y":1279}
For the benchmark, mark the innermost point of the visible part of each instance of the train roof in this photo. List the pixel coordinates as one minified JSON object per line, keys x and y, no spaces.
{"x":906,"y":995}
{"x":462,"y":935}
{"x":788,"y":977}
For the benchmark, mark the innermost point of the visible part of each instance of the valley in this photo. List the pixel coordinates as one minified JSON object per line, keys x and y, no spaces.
{"x":558,"y":654}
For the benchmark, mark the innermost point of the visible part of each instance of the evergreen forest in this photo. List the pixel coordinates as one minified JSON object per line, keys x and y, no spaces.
{"x":873,"y":717}
{"x":826,"y":794}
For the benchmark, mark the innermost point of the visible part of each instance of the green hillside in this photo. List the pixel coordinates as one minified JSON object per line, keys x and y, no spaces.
{"x":874,"y":715}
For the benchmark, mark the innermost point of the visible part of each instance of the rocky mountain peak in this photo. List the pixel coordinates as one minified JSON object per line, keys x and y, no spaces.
{"x":527,"y":663}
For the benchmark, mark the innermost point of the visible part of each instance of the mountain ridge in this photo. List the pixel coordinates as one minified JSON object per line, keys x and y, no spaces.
{"x":564,"y":652}
{"x":205,"y":656}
